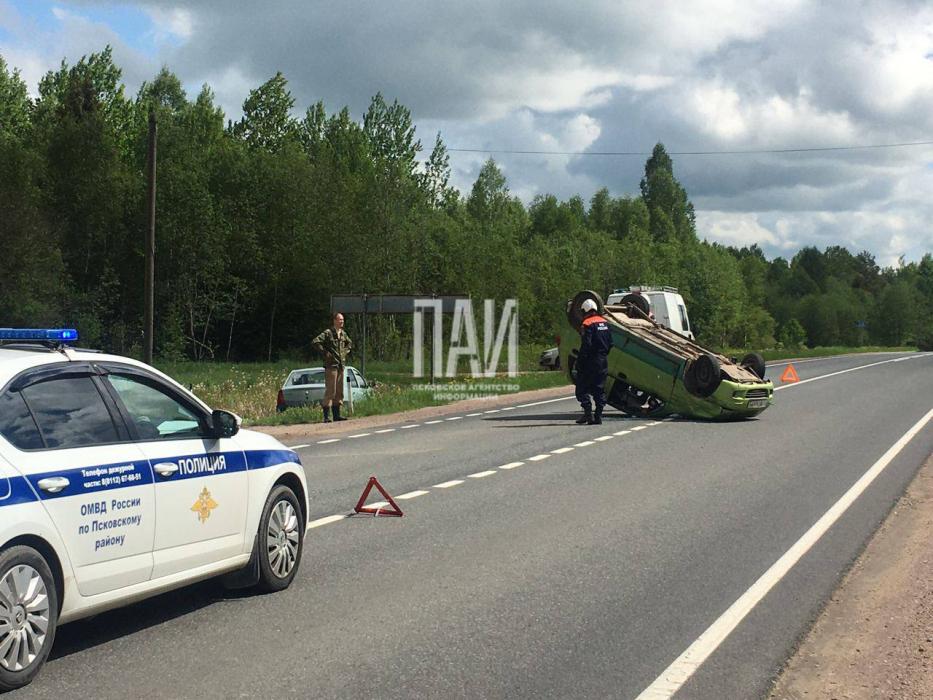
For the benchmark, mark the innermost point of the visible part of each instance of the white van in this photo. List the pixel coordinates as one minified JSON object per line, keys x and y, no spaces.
{"x":666,"y":305}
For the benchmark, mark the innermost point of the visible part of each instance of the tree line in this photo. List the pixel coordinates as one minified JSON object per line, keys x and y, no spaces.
{"x":262,"y":219}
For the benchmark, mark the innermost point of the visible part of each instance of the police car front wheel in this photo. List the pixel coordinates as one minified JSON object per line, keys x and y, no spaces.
{"x":28,"y":615}
{"x":281,"y":536}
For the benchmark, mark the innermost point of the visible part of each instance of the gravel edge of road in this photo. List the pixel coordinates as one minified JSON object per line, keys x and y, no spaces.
{"x":874,"y":638}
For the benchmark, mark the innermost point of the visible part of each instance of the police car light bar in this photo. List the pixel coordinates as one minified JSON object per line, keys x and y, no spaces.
{"x":60,"y":335}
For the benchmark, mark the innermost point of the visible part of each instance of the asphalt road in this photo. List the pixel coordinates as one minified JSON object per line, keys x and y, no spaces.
{"x":582,"y":574}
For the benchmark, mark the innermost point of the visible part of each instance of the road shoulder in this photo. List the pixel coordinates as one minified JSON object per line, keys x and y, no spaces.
{"x":874,"y":639}
{"x":304,"y":431}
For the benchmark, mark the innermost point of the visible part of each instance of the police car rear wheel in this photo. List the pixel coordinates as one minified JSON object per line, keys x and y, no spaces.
{"x":281,"y":536}
{"x":28,"y":615}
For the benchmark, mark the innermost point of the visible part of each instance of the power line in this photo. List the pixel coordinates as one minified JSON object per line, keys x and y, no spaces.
{"x":819,"y":149}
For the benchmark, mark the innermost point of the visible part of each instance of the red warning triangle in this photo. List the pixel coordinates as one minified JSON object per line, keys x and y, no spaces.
{"x":790,"y":375}
{"x":381,"y":510}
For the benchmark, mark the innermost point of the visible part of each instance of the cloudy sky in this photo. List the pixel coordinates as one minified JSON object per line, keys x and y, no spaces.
{"x":585,"y":77}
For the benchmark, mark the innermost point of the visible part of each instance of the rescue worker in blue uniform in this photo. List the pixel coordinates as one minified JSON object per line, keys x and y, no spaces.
{"x":591,"y":364}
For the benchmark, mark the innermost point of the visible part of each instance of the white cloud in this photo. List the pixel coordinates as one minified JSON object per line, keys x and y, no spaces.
{"x":735,"y":229}
{"x":171,"y":23}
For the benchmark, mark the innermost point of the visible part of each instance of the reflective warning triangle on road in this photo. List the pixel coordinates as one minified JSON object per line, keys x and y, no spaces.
{"x":790,"y":375}
{"x":394,"y":510}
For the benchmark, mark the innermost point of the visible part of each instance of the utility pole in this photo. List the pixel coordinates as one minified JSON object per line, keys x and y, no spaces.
{"x":148,"y":324}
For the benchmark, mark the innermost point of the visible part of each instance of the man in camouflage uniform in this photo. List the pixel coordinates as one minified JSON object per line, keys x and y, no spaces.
{"x":334,"y":345}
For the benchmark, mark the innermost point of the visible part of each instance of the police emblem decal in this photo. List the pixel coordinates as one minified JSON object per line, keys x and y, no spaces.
{"x":204,"y":505}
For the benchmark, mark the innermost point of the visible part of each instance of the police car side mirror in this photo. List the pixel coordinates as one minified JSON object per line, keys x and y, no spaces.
{"x":225,"y":423}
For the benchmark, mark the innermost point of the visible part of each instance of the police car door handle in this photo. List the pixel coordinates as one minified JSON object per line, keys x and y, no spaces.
{"x":53,"y":484}
{"x":166,"y":468}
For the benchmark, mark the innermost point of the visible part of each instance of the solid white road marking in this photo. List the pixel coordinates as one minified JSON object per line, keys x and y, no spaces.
{"x":843,"y":371}
{"x":412,"y":494}
{"x":510,"y":408}
{"x":675,"y":675}
{"x":622,"y":432}
{"x":448,"y":484}
{"x":433,"y":422}
{"x":539,"y":403}
{"x":325,"y":521}
{"x":480,"y":475}
{"x":511,"y":465}
{"x":561,"y":450}
{"x":538,"y":458}
{"x":299,"y":447}
{"x":325,"y":442}
{"x":603,"y":438}
{"x":410,"y":425}
{"x":585,"y":443}
{"x":358,"y":435}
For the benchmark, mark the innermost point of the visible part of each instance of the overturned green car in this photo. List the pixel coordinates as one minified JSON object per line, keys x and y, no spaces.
{"x":656,"y":372}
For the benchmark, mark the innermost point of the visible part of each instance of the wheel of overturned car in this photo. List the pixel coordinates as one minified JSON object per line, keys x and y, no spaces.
{"x":575,"y":313}
{"x":638,"y":301}
{"x":754,"y":362}
{"x":706,"y":375}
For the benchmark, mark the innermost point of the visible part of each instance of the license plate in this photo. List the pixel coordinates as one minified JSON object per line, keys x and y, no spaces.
{"x":757,"y":403}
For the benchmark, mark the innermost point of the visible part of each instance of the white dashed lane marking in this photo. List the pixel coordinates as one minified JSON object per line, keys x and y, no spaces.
{"x":410,"y":425}
{"x":358,"y":435}
{"x":477,"y":475}
{"x":454,"y":418}
{"x":325,"y":521}
{"x":299,"y":447}
{"x":433,"y":422}
{"x":385,"y":430}
{"x":327,"y":442}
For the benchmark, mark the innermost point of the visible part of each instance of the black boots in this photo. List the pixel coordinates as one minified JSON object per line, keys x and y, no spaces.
{"x":327,"y":414}
{"x":337,"y":415}
{"x":590,"y":418}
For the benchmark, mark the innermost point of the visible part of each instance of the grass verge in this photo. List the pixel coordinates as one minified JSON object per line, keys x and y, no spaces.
{"x":250,"y":389}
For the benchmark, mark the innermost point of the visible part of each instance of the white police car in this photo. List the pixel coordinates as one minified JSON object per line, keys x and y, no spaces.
{"x":116,"y":484}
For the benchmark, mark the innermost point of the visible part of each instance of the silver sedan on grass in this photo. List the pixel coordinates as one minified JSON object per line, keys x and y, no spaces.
{"x":305,"y":387}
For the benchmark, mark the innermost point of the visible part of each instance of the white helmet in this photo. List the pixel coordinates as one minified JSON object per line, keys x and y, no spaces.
{"x":587,"y":306}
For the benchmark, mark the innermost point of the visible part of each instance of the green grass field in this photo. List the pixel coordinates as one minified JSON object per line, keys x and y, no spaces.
{"x":250,"y":389}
